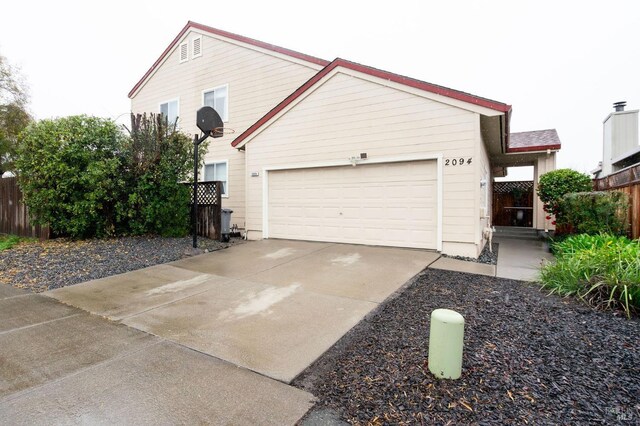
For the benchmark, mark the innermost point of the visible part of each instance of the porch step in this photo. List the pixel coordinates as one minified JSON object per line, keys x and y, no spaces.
{"x":516,"y":232}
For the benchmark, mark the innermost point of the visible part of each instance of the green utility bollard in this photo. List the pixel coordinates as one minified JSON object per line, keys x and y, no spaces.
{"x":446,"y":338}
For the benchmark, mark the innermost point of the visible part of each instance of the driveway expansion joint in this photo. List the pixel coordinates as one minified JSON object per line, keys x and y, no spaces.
{"x":57,"y":380}
{"x":25,"y":327}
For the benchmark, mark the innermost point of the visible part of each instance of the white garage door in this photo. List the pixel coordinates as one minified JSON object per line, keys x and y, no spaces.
{"x":391,"y":204}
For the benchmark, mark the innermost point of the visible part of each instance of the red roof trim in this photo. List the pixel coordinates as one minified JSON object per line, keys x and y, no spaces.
{"x":232,"y":36}
{"x":538,"y":148}
{"x":428,"y":87}
{"x":439,"y":90}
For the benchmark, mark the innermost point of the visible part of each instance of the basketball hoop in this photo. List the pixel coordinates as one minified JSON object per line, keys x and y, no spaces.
{"x":221,"y":131}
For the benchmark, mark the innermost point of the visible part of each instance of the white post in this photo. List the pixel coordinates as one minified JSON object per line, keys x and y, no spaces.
{"x":446,"y":339}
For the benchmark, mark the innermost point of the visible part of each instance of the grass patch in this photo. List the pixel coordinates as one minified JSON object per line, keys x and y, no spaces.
{"x":601,"y":270}
{"x":8,"y":241}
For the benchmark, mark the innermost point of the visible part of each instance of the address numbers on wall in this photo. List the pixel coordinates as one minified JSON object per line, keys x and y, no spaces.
{"x":460,"y":161}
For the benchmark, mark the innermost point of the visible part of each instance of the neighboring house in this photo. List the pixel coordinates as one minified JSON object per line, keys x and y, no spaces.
{"x":620,"y":143}
{"x":338,"y":151}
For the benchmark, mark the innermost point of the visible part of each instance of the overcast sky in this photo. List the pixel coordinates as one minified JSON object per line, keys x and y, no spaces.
{"x":561,"y":64}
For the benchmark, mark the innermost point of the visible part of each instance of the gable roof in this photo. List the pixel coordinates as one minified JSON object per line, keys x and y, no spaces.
{"x":537,"y":140}
{"x":228,"y":35}
{"x":407,"y":81}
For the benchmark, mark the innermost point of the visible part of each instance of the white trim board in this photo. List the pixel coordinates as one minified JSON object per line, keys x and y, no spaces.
{"x":348,"y":162}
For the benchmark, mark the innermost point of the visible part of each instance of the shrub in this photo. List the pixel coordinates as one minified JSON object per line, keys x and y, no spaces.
{"x":601,"y":270}
{"x":157,"y":158}
{"x":85,"y":178}
{"x":554,"y":184}
{"x":68,"y":170}
{"x":595,"y":212}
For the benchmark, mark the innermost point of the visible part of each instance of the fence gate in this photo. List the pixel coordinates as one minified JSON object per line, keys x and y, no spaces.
{"x":513,"y":204}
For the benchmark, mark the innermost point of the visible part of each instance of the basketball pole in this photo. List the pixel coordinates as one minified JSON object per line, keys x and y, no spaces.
{"x":194,"y":218}
{"x":208,"y":121}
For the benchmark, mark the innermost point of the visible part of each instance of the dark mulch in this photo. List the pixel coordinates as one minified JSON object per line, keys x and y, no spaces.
{"x":528,"y":358}
{"x":57,"y":263}
{"x":490,"y":257}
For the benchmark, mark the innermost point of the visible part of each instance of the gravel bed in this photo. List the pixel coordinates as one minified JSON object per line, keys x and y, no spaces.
{"x":486,"y":256}
{"x":57,"y":263}
{"x":528,"y":358}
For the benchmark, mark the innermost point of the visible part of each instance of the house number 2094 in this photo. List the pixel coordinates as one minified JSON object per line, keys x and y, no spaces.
{"x":457,"y":161}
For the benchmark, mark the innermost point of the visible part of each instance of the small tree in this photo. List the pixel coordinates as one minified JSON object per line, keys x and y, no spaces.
{"x":157,"y":161}
{"x":68,"y":170}
{"x":554,"y":184}
{"x":13,"y":113}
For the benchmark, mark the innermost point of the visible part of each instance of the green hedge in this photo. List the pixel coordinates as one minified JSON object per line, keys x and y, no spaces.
{"x":595,"y":212}
{"x":69,"y":173}
{"x":85,"y":177}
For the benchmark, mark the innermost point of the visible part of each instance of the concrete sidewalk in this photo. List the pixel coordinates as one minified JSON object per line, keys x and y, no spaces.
{"x":518,"y":259}
{"x":61,"y":365}
{"x":521,"y":259}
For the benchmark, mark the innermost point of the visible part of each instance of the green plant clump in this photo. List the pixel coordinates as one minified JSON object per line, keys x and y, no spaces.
{"x":595,"y":212}
{"x":8,"y":241}
{"x":601,"y":270}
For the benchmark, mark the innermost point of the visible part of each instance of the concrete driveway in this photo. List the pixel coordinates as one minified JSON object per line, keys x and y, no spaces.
{"x":271,"y":306}
{"x":163,"y":345}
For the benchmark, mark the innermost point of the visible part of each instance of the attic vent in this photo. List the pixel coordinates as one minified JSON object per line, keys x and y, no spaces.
{"x":197,"y":47}
{"x":184,"y":51}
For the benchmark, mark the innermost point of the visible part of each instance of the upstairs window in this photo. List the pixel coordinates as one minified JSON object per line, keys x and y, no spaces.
{"x":218,"y":171}
{"x":170,"y":109}
{"x":196,"y":47}
{"x":184,"y":51}
{"x":218,"y":99}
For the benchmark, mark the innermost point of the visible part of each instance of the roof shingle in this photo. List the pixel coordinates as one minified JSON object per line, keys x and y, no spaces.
{"x":537,"y":140}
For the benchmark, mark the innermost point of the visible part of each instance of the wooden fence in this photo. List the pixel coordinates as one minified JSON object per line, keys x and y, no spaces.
{"x":209,"y":209}
{"x":14,"y":215}
{"x":627,"y":181}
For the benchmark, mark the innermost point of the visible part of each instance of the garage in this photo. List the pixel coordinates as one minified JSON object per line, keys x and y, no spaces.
{"x":387,"y":204}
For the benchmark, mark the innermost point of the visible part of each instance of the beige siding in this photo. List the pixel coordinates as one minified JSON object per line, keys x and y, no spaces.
{"x":348,"y":115}
{"x":257,"y":81}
